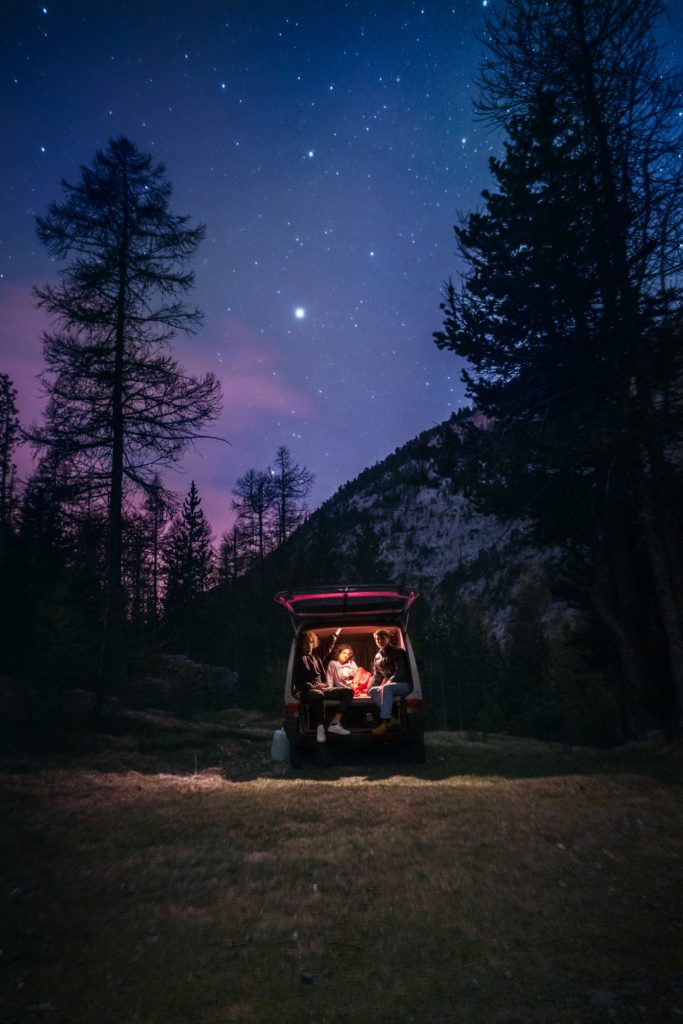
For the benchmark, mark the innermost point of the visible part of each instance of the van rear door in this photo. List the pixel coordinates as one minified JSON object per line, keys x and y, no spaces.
{"x":349,"y":604}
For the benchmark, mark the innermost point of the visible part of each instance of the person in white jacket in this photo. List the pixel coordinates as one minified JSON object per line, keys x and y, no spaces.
{"x":342,"y":666}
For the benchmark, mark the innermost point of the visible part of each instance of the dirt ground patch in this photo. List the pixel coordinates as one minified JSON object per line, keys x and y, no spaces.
{"x":509,"y":882}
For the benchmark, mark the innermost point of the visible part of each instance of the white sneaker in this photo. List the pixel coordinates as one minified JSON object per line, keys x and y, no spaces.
{"x":339,"y":729}
{"x":320,"y":734}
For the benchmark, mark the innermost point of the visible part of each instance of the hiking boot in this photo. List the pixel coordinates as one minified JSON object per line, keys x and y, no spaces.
{"x":380,"y":729}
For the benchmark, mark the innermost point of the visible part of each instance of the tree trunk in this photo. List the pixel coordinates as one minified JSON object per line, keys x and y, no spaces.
{"x":654,"y":523}
{"x":4,"y":478}
{"x":610,"y":228}
{"x":112,"y":663}
{"x":616,"y":601}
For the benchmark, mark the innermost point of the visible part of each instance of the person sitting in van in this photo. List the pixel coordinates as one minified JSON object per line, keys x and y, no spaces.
{"x":342,"y":666}
{"x":309,"y":683}
{"x":389,"y":680}
{"x":343,"y":670}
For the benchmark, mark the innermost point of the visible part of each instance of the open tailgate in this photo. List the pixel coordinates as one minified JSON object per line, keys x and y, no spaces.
{"x":349,"y":603}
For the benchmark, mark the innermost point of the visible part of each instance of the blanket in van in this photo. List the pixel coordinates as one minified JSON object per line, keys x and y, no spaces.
{"x":360,"y":682}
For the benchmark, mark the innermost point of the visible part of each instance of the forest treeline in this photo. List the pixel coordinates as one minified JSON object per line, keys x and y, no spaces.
{"x":99,"y":558}
{"x":177,"y":578}
{"x":566,"y":312}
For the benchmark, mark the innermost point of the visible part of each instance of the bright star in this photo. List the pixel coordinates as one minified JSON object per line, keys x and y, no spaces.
{"x":300,"y":312}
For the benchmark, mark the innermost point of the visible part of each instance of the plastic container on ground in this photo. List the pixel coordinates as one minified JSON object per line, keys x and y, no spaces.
{"x":279,"y":748}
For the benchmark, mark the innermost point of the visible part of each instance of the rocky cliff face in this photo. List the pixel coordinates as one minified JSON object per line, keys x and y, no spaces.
{"x":401,"y":520}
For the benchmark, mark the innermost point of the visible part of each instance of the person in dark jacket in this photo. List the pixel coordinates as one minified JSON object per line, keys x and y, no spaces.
{"x":310,"y":684}
{"x":389,"y":679}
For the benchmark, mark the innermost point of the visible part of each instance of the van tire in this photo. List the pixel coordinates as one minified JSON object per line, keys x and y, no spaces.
{"x":296,"y":746}
{"x":415,"y":752}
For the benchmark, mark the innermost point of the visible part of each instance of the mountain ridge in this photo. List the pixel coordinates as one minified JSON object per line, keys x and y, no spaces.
{"x":403,"y":519}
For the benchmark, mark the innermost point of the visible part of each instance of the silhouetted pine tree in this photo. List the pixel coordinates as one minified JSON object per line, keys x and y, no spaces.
{"x":234,"y":555}
{"x":566,"y":316}
{"x":292,"y":485}
{"x":9,"y":438}
{"x":188,"y":560}
{"x":254,"y":501}
{"x":463,"y":667}
{"x":118,"y":402}
{"x":51,"y":613}
{"x":365,"y":561}
{"x":526,"y":687}
{"x":159,"y":507}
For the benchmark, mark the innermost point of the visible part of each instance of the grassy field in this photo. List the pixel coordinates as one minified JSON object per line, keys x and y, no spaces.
{"x":511,"y":882}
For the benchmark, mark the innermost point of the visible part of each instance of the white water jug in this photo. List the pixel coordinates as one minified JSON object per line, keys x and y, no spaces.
{"x":279,"y":748}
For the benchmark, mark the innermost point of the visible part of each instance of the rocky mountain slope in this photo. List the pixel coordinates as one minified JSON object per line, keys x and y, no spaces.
{"x":403,"y":520}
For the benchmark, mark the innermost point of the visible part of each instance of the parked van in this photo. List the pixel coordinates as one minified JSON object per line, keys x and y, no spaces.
{"x":352,"y":615}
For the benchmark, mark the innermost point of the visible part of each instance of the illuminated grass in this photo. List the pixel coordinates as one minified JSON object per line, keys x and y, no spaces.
{"x":371,"y":895}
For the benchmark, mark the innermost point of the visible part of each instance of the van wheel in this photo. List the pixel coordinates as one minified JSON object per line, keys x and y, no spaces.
{"x":415,"y":743}
{"x":416,"y":751}
{"x":299,"y":753}
{"x":296,"y":747}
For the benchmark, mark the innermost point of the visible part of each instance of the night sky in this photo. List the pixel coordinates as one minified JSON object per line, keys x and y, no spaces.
{"x":327,"y":146}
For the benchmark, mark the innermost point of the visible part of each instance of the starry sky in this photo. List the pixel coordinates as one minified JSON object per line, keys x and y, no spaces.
{"x":327,"y":146}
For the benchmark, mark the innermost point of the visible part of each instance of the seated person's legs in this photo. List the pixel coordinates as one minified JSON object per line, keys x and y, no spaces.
{"x":391,"y":690}
{"x":375,"y":694}
{"x":343,"y":695}
{"x":314,"y":700}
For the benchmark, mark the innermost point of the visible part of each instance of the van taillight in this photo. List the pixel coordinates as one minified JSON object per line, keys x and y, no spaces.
{"x":413,"y":706}
{"x":291,"y":710}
